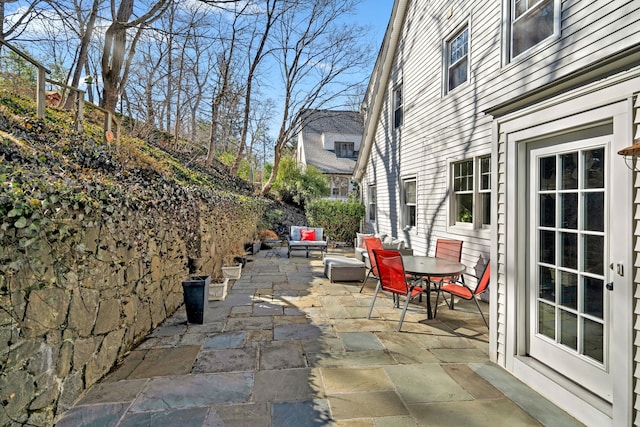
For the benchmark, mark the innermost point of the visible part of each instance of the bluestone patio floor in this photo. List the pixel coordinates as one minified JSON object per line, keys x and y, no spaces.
{"x":289,"y":348}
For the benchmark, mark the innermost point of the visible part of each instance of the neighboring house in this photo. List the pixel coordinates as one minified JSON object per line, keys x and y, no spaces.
{"x":330,"y":141}
{"x":499,"y":123}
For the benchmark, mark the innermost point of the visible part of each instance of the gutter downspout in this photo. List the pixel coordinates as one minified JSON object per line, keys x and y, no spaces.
{"x":397,"y":21}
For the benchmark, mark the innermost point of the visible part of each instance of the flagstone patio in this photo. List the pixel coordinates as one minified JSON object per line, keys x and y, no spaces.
{"x":289,"y":348}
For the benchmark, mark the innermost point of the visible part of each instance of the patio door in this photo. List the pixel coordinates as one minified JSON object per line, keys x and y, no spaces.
{"x":571,"y":233}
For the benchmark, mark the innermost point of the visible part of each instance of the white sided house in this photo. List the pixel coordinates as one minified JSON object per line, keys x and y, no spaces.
{"x":500,"y":123}
{"x":330,"y":141}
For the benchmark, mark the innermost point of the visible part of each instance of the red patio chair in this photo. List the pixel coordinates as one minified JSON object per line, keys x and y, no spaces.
{"x":371,"y":243}
{"x":447,"y":249}
{"x":460,"y":289}
{"x":392,"y":278}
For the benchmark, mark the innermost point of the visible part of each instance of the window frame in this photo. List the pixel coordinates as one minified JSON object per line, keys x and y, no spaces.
{"x":346,"y":146}
{"x":397,"y":111}
{"x":510,"y":20}
{"x":480,"y":212}
{"x":406,"y":211}
{"x":372,"y":202}
{"x":448,"y":65}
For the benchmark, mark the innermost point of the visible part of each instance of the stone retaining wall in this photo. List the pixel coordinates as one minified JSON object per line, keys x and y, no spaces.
{"x":70,"y":309}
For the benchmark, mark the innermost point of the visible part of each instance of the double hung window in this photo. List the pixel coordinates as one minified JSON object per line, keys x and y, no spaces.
{"x":409,"y":199}
{"x":372,"y":202}
{"x":471,"y":196}
{"x":531,"y":22}
{"x":397,"y":106}
{"x":344,"y":149}
{"x":458,"y":59}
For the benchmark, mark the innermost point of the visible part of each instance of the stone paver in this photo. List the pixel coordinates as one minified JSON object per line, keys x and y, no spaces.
{"x":289,"y":348}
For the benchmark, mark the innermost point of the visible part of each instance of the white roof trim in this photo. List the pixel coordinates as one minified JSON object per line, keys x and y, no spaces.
{"x":380,"y":76}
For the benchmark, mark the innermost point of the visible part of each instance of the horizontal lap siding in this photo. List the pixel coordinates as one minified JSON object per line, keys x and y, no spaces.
{"x":590,"y":31}
{"x":636,"y":270}
{"x":436,"y":128}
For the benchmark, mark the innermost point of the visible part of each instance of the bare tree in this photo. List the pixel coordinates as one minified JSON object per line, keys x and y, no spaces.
{"x":316,"y":56}
{"x":117,"y":54}
{"x":271,"y":15}
{"x":19,"y":20}
{"x":226,"y":57}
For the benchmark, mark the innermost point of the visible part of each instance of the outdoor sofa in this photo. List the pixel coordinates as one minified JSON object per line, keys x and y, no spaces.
{"x":302,"y":238}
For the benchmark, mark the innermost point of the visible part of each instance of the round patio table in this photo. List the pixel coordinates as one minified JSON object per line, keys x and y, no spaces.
{"x":426,"y":266}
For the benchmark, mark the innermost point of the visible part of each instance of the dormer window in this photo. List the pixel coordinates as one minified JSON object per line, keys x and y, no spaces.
{"x":344,"y":149}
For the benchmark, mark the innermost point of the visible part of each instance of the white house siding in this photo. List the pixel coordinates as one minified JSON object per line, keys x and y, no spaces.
{"x":571,"y":109}
{"x":438,"y":127}
{"x":591,"y":31}
{"x":433,"y":124}
{"x":636,"y":271}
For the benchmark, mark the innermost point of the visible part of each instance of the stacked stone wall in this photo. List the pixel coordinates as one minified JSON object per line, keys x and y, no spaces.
{"x":72,"y":307}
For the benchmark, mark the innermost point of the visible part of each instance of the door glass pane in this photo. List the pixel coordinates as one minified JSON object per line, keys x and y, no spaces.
{"x":547,"y":210}
{"x":569,"y":168}
{"x":547,"y":288}
{"x":593,"y":340}
{"x":547,"y":247}
{"x":594,"y":168}
{"x":568,"y":249}
{"x":594,"y":211}
{"x":569,"y":290}
{"x":569,"y":210}
{"x":593,"y":254}
{"x":568,"y":329}
{"x":594,"y":297}
{"x":548,"y":173}
{"x":546,"y":320}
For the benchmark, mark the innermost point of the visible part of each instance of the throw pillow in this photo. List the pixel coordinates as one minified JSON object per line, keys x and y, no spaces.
{"x":308,"y":235}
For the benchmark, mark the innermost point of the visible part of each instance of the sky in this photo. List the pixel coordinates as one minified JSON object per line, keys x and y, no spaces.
{"x":375,"y":13}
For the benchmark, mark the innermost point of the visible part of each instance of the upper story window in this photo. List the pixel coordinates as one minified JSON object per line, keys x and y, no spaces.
{"x":409,"y":200}
{"x":532,"y":21}
{"x":458,"y":59}
{"x":397,"y":106}
{"x":372,"y":202}
{"x":344,"y":149}
{"x":471,"y":201}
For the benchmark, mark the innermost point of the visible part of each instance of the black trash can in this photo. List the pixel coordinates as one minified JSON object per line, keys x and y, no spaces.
{"x":196,"y":297}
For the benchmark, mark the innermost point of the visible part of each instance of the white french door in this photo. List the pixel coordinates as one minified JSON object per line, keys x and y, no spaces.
{"x":571,"y":231}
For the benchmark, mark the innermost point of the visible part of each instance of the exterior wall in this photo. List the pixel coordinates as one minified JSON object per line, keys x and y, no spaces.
{"x":607,"y":100}
{"x":439,"y":128}
{"x":635,"y":270}
{"x":329,"y":139}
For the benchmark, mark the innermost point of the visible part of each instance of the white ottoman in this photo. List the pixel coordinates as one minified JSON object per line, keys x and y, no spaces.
{"x":343,"y":269}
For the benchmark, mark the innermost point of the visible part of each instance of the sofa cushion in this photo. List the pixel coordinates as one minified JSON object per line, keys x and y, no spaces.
{"x":295,"y":232}
{"x":304,"y":243}
{"x":393,"y":244}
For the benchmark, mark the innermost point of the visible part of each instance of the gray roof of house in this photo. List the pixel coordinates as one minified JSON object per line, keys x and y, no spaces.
{"x":317,"y":122}
{"x":320,"y":121}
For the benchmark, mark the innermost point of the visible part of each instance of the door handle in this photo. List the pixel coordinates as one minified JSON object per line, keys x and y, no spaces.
{"x":609,"y":286}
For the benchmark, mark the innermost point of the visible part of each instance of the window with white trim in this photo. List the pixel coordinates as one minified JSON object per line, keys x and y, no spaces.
{"x":344,"y":149}
{"x":409,"y":202}
{"x":531,"y":22}
{"x":397,"y":106}
{"x":471,"y":195}
{"x":457,"y":59}
{"x":372,"y":202}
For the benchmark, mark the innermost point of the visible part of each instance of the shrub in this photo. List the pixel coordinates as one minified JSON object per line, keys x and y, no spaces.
{"x":340,"y":219}
{"x":295,"y":186}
